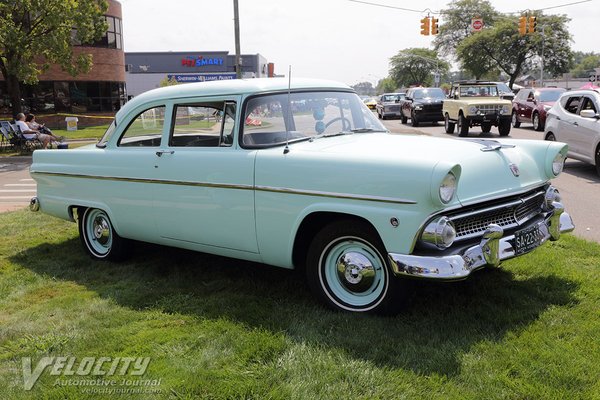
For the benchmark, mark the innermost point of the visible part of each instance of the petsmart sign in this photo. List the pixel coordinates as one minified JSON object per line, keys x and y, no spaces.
{"x":199,"y":61}
{"x":202,"y":77}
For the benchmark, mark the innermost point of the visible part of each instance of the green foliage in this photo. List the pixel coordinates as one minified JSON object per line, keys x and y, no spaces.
{"x":218,"y":328}
{"x":364,"y":88}
{"x":37,"y":33}
{"x":584,"y":64}
{"x":456,"y":23}
{"x":503,"y":48}
{"x":386,"y":85}
{"x":415,"y":66}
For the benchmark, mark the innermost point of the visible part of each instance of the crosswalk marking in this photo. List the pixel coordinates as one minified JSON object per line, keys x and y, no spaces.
{"x":17,"y":190}
{"x":15,"y":197}
{"x":20,"y":184}
{"x":26,"y":180}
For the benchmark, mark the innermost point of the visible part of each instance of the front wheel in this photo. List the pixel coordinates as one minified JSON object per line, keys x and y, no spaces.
{"x":504,"y":127}
{"x":537,"y":125}
{"x":99,"y":237}
{"x":448,"y":126}
{"x":403,"y":119}
{"x":515,"y":120}
{"x":347,"y":269}
{"x":413,"y":119}
{"x":462,"y":125}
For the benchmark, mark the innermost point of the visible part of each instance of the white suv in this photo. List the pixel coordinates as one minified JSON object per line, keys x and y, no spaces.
{"x":575,"y":119}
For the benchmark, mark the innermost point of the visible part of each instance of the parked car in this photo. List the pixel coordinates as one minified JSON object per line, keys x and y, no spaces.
{"x":388,"y":105}
{"x":371,"y":103}
{"x":318,"y":184}
{"x":475,"y":103}
{"x":531,"y":105}
{"x":575,"y":119}
{"x":422,"y":105}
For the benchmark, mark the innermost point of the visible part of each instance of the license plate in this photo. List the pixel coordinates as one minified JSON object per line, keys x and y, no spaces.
{"x":527,"y":239}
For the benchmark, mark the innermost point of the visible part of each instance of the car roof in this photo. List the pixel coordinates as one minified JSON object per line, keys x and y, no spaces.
{"x":542,"y":89}
{"x":229,"y":87}
{"x":581,"y":92}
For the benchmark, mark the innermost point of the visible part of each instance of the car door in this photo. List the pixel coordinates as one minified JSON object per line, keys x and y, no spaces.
{"x":207,"y":195}
{"x":527,"y":104}
{"x":566,"y":131}
{"x":586,"y":130}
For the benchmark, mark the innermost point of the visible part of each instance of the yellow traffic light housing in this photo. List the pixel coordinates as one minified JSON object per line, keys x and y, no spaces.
{"x":425,"y":26}
{"x":522,"y":25}
{"x":532,"y":24}
{"x":434,"y":26}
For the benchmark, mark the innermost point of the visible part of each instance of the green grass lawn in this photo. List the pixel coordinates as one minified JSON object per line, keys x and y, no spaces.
{"x":221,"y":328}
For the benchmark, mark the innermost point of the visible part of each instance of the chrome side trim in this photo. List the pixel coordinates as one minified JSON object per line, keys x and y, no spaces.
{"x":301,"y":192}
{"x":492,"y":249}
{"x":334,"y":195}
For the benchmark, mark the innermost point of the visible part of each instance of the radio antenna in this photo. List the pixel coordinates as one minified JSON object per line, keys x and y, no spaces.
{"x":289,"y":113}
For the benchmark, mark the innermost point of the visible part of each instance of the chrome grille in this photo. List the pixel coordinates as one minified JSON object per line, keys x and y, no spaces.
{"x":489,"y":108}
{"x":392,"y":108}
{"x":508,"y":213}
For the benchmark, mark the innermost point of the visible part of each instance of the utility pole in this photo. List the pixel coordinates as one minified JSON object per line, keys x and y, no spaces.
{"x":542,"y":67}
{"x":238,"y":59}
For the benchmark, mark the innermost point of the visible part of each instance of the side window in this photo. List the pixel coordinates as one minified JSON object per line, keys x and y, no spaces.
{"x":145,"y":130}
{"x":588,"y":104}
{"x":572,"y":104}
{"x":208,"y":124}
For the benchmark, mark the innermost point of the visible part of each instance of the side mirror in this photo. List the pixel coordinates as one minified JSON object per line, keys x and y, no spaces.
{"x":530,"y":100}
{"x":589,"y":114}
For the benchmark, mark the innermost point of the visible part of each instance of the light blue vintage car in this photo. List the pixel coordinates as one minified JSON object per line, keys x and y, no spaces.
{"x":303,"y":175}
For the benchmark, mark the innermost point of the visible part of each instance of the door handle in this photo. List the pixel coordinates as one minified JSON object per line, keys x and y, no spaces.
{"x":161,"y":152}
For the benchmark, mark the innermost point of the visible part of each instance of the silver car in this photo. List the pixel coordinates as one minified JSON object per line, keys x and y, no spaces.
{"x":575,"y":119}
{"x":388,"y":105}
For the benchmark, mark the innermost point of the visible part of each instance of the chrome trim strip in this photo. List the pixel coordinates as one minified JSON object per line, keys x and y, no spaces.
{"x":335,"y":195}
{"x":240,"y":187}
{"x":492,"y":249}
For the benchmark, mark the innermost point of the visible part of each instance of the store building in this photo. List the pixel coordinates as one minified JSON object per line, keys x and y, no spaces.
{"x":101,"y":90}
{"x":145,"y":71}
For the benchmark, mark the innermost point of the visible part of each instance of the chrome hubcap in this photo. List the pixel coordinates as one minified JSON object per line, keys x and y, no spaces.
{"x":355,"y":272}
{"x":101,"y":230}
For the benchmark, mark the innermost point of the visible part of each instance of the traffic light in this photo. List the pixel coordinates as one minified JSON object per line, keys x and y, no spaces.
{"x":425,"y":26}
{"x":522,"y":25}
{"x":532,"y":24}
{"x":434,"y":26}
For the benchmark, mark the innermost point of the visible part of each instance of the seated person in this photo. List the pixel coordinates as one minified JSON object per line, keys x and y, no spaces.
{"x":33,"y":124}
{"x":29,"y":133}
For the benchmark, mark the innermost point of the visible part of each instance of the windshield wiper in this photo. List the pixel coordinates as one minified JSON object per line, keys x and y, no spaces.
{"x":365,"y":130}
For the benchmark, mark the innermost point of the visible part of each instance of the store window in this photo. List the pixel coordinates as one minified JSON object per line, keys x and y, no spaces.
{"x":112,"y":39}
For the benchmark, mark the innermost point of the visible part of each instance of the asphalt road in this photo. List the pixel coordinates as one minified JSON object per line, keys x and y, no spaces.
{"x":579,"y":184}
{"x":16,"y":186}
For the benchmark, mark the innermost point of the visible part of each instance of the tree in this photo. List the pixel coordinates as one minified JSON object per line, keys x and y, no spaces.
{"x":386,"y":85}
{"x":415,"y":66}
{"x":584,"y":64}
{"x":457,"y":23}
{"x":364,"y":88}
{"x":514,"y":54}
{"x":37,"y":33}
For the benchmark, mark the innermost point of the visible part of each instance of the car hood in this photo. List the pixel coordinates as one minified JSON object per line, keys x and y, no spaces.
{"x":408,"y":166}
{"x":429,"y":101}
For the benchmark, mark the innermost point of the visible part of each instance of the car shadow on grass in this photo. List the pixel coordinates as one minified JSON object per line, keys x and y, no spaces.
{"x":440,"y":323}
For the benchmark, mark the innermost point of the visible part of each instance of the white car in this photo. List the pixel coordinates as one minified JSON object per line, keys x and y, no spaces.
{"x":575,"y":119}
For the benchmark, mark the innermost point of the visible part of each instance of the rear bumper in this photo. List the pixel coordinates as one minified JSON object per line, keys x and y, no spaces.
{"x":493,"y":248}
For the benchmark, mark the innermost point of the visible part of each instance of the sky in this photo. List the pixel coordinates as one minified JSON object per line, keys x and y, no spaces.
{"x":329,"y":39}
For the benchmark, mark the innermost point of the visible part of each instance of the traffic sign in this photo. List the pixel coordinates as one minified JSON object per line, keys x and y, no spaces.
{"x":476,"y":24}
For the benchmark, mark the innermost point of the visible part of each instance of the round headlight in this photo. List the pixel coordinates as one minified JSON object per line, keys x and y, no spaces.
{"x":558,"y":164}
{"x":504,"y":110}
{"x":439,"y":233}
{"x":472,"y":110}
{"x":447,"y":188}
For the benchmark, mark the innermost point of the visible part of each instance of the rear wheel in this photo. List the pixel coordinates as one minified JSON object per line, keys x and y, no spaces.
{"x":515,"y":120}
{"x":537,"y":125}
{"x":448,"y":126}
{"x":486,"y":127}
{"x":504,"y":127}
{"x":99,"y":237}
{"x":550,"y":137}
{"x":462,"y":125}
{"x":347,"y":269}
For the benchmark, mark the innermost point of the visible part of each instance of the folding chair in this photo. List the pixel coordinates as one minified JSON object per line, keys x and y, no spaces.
{"x":18,"y":139}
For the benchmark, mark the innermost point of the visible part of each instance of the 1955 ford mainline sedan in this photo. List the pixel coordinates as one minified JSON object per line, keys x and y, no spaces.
{"x":303,"y":175}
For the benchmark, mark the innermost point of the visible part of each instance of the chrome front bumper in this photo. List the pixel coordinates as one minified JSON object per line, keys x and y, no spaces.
{"x":493,"y":248}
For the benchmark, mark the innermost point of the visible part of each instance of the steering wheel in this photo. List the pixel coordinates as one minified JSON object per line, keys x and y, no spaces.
{"x":346,"y":124}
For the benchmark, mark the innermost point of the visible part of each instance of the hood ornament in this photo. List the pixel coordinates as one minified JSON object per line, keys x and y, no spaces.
{"x":514,"y":169}
{"x":491,"y":145}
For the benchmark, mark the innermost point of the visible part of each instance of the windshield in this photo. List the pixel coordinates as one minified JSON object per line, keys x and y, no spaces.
{"x":433,"y":93}
{"x":549,"y":95}
{"x":272,"y":120}
{"x":503,"y":87}
{"x":389,"y":98}
{"x":479,"y":91}
{"x":107,"y":135}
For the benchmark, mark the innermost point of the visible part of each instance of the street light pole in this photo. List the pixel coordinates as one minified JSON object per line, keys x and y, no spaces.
{"x":542,"y":67}
{"x":236,"y":19}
